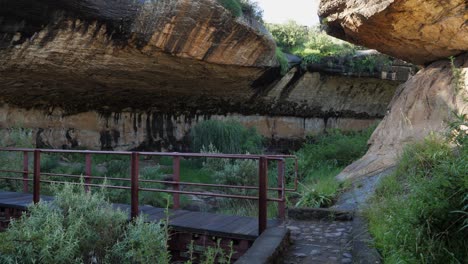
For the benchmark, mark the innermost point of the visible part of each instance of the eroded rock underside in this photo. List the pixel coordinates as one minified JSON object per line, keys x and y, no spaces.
{"x":417,"y":31}
{"x":138,"y":74}
{"x":81,"y":55}
{"x":421,"y":32}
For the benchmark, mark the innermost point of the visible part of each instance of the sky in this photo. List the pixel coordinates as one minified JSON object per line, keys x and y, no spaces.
{"x":302,"y":11}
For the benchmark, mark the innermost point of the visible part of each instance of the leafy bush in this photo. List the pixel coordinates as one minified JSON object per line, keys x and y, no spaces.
{"x":225,"y":136}
{"x":283,"y":61}
{"x":289,"y":35}
{"x":231,"y":172}
{"x":333,"y":149}
{"x":142,"y":243}
{"x":79,"y":227}
{"x":243,"y":7}
{"x":419,"y":214}
{"x":233,"y":6}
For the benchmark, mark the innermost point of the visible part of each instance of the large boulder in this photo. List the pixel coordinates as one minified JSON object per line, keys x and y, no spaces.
{"x":423,"y":105}
{"x":413,"y":30}
{"x":113,"y":55}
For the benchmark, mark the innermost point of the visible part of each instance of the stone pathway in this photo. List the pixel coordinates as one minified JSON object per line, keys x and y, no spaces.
{"x":319,"y":241}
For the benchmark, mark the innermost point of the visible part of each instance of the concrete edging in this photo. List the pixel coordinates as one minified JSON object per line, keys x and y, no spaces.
{"x":268,"y":248}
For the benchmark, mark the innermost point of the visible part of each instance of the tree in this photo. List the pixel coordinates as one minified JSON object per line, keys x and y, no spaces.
{"x":290,"y":35}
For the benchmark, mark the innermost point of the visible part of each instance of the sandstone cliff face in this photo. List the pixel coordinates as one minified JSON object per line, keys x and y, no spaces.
{"x":131,"y":74}
{"x":416,"y":31}
{"x":87,"y":54}
{"x":293,"y":107}
{"x":422,"y":105}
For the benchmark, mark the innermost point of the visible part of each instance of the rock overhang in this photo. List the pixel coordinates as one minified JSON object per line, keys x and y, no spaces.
{"x":419,"y":32}
{"x":125,"y":53}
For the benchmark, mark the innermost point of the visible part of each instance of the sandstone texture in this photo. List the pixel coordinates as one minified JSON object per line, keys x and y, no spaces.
{"x":297,"y":105}
{"x":417,"y":31}
{"x":129,"y":74}
{"x":104,"y":54}
{"x":424,"y":104}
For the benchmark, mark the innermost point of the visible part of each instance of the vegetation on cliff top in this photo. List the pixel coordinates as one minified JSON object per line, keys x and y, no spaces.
{"x":243,"y":7}
{"x":316,"y":47}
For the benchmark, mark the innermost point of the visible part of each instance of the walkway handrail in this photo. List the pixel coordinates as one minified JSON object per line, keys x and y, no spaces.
{"x":135,"y":189}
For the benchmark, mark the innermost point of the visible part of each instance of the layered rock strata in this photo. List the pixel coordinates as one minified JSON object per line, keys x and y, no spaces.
{"x":421,"y":32}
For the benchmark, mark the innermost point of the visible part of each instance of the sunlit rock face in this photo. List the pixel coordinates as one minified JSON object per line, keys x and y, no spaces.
{"x":103,"y":54}
{"x":127,"y":74}
{"x":297,"y":105}
{"x":424,"y":104}
{"x":413,"y":30}
{"x":421,"y":32}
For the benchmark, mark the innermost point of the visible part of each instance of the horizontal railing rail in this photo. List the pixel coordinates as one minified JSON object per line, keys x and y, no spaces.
{"x":176,"y":183}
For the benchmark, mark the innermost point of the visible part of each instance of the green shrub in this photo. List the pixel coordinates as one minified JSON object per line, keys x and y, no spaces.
{"x":334,"y":148}
{"x":243,"y":7}
{"x":321,"y":159}
{"x":288,"y":36}
{"x":231,"y":172}
{"x":283,"y":61}
{"x":79,"y":227}
{"x":225,"y":136}
{"x":234,"y":6}
{"x":142,"y":243}
{"x":419,"y":214}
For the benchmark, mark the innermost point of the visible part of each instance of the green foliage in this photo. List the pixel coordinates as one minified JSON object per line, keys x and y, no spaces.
{"x":321,"y":159}
{"x":335,"y":148}
{"x":319,"y":43}
{"x":316,"y":47}
{"x":225,"y":136}
{"x":18,"y":138}
{"x":369,"y":63}
{"x":233,"y":6}
{"x":79,"y":227}
{"x":288,"y":36}
{"x":232,"y":172}
{"x":243,"y":7}
{"x":251,"y":9}
{"x":212,"y":255}
{"x":142,"y":243}
{"x":419,"y":214}
{"x":283,"y":61}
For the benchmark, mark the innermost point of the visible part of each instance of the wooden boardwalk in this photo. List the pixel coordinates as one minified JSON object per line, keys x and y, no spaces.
{"x":236,"y":227}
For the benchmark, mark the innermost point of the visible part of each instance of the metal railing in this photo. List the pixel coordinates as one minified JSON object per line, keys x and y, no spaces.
{"x":176,"y":183}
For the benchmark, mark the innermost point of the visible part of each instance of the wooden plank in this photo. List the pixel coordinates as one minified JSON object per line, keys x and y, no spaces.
{"x":248,"y":228}
{"x":18,"y":202}
{"x":8,"y":195}
{"x":197,"y":222}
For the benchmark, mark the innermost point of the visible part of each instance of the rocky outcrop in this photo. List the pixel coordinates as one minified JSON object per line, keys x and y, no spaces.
{"x":416,"y":31}
{"x":112,"y":55}
{"x":131,"y":74}
{"x":421,"y":32}
{"x":287,"y":111}
{"x":424,"y":104}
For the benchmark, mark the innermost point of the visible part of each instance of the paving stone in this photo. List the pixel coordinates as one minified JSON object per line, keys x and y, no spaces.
{"x":319,"y":242}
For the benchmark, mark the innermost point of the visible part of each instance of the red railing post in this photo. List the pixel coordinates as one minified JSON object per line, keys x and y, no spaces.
{"x":134,"y":185}
{"x":25,"y":171}
{"x":176,"y":178}
{"x":37,"y":176}
{"x":262,"y":194}
{"x":281,"y":192}
{"x":87,"y":171}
